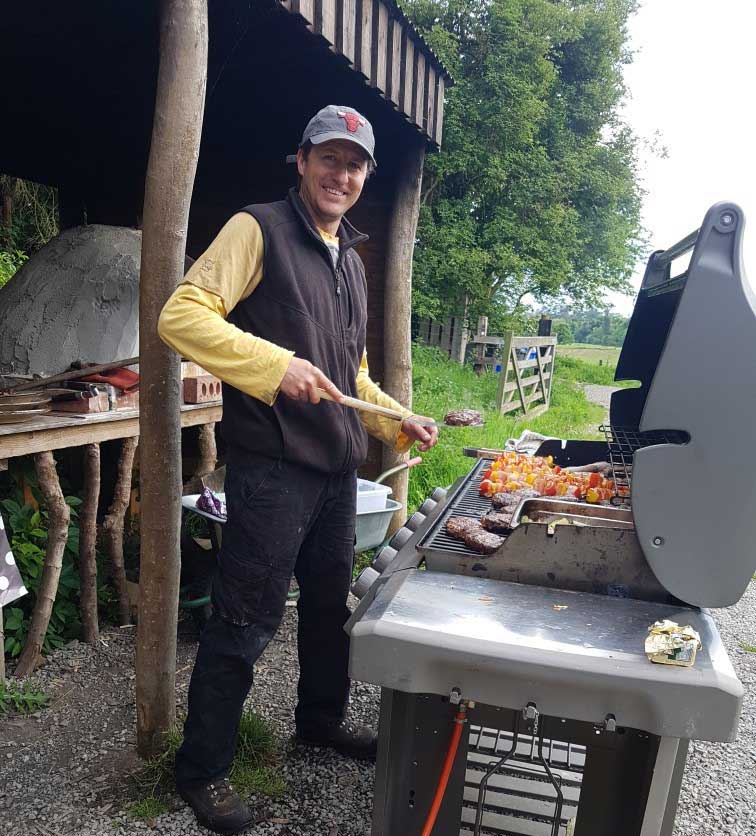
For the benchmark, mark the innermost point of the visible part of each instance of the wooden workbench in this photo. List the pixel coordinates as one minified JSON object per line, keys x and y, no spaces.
{"x":58,"y":430}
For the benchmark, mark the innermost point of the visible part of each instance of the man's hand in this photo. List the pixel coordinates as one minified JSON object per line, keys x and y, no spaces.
{"x":302,"y":381}
{"x":426,"y":437}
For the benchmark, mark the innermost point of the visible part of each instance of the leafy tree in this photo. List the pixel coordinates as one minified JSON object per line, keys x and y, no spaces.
{"x":535,"y":189}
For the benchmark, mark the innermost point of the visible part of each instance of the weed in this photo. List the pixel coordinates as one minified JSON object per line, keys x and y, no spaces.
{"x":147,"y":808}
{"x":21,"y":698}
{"x":749,"y":648}
{"x":254,"y":769}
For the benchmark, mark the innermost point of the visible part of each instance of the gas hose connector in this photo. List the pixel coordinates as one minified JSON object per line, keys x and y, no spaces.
{"x":455,"y":696}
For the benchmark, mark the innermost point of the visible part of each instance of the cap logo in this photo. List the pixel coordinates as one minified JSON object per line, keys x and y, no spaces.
{"x":353,"y":120}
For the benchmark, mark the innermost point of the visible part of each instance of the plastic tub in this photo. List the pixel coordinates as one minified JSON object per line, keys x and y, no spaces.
{"x":372,"y":526}
{"x":371,"y":496}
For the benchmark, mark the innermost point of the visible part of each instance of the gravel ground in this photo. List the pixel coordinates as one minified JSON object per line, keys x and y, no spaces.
{"x":66,"y":771}
{"x":599,"y":394}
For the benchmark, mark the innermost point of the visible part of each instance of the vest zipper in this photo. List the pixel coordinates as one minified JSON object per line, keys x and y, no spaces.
{"x":337,"y":277}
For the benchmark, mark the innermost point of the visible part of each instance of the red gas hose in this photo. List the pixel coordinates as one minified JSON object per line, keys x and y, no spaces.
{"x":459,"y":722}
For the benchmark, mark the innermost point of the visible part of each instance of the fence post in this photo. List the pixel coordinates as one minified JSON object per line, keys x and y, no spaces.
{"x":506,"y":355}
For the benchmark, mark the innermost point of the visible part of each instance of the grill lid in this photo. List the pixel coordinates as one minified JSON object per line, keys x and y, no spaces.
{"x":690,"y":343}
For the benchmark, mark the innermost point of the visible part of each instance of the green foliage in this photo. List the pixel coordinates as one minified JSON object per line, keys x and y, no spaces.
{"x":592,"y":326}
{"x":749,"y":648}
{"x":570,"y":415}
{"x":584,"y":372}
{"x":20,"y":697}
{"x":253,"y":771}
{"x":147,"y":808}
{"x":28,"y":531}
{"x":10,"y":261}
{"x":535,"y":190}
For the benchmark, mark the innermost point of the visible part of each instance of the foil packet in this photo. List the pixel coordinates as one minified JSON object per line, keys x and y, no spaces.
{"x":668,"y":643}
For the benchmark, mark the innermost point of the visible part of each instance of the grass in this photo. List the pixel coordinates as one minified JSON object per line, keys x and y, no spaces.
{"x":147,"y":808}
{"x":604,"y":354}
{"x":749,"y":648}
{"x":255,"y":769}
{"x":20,"y":698}
{"x":440,"y":385}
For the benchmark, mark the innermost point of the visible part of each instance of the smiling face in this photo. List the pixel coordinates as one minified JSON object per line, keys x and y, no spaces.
{"x":333,"y":174}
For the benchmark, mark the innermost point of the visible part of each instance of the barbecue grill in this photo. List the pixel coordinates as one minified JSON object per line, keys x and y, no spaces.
{"x":538,"y":648}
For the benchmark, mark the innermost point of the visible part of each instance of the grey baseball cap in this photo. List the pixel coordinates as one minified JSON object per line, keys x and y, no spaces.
{"x":339,"y":122}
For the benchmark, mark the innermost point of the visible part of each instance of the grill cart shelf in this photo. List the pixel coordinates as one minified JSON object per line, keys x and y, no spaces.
{"x":571,"y":730}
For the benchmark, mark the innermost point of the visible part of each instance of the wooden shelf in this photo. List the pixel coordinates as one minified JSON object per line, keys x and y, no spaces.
{"x":61,"y":430}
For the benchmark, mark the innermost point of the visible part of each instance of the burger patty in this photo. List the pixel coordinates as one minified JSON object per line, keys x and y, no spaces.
{"x":457,"y":526}
{"x":498,"y":521}
{"x":513,"y":498}
{"x":471,"y":532}
{"x":463,"y":418}
{"x":480,"y":540}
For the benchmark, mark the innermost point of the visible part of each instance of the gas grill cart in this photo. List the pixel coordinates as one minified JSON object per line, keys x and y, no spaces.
{"x":530,"y":661}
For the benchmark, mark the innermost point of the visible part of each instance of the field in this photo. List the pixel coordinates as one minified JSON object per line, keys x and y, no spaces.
{"x":599,"y":354}
{"x":441,"y":385}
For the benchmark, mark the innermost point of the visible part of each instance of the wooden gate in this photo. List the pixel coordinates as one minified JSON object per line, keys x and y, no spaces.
{"x":527,"y":371}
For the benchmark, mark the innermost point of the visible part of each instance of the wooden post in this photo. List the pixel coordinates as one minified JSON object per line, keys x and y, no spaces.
{"x":208,"y":450}
{"x":57,"y":535}
{"x":176,"y":132}
{"x":87,"y":545}
{"x":506,"y":359}
{"x":112,"y":526}
{"x":397,"y":346}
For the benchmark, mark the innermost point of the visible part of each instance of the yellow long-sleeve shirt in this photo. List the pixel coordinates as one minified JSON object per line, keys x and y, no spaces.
{"x":193,"y":322}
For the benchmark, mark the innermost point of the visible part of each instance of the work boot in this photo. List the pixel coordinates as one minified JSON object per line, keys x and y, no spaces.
{"x":359,"y":742}
{"x":217,"y":806}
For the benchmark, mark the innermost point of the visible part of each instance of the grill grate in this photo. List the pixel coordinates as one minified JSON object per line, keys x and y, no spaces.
{"x":527,"y":788}
{"x":622,"y":443}
{"x":466,"y":503}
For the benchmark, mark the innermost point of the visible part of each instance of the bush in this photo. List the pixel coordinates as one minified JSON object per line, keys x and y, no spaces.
{"x":10,"y":261}
{"x":27,"y":531}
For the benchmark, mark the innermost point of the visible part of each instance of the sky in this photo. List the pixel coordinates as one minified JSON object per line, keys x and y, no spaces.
{"x":693,"y":80}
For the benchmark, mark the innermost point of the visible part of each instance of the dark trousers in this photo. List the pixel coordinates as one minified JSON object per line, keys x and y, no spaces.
{"x":283,"y":519}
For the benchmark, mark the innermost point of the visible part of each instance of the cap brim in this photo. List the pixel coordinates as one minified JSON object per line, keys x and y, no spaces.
{"x":318,"y":139}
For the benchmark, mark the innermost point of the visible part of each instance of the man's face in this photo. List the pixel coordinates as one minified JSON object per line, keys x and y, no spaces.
{"x":333,"y":175}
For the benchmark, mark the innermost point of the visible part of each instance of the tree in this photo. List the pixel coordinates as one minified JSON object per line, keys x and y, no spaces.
{"x":535,"y":190}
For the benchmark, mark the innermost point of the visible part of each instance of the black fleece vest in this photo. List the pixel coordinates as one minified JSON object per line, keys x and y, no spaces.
{"x":319,"y":312}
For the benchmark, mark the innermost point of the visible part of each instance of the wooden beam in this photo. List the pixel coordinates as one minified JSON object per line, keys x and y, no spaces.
{"x":420,"y":81}
{"x":365,"y":36}
{"x":398,"y":300}
{"x":346,"y":11}
{"x":439,"y":125}
{"x":408,"y":74}
{"x":305,"y":9}
{"x":325,"y":20}
{"x":431,"y":100}
{"x":380,"y":47}
{"x":532,"y":342}
{"x":395,"y":64}
{"x":174,"y":149}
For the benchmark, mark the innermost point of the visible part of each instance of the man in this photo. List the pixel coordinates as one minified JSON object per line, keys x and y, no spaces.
{"x":276,"y":307}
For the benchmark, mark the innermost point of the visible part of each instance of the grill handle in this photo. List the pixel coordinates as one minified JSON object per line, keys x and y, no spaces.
{"x":676,"y":250}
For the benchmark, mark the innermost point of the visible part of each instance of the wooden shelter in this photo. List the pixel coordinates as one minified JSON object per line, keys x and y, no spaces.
{"x":79,"y":114}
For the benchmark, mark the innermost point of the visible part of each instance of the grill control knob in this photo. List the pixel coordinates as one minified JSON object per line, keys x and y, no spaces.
{"x":414,"y":521}
{"x":400,"y":538}
{"x":438,"y":494}
{"x":383,"y":558}
{"x":428,"y":506}
{"x":367,"y":577}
